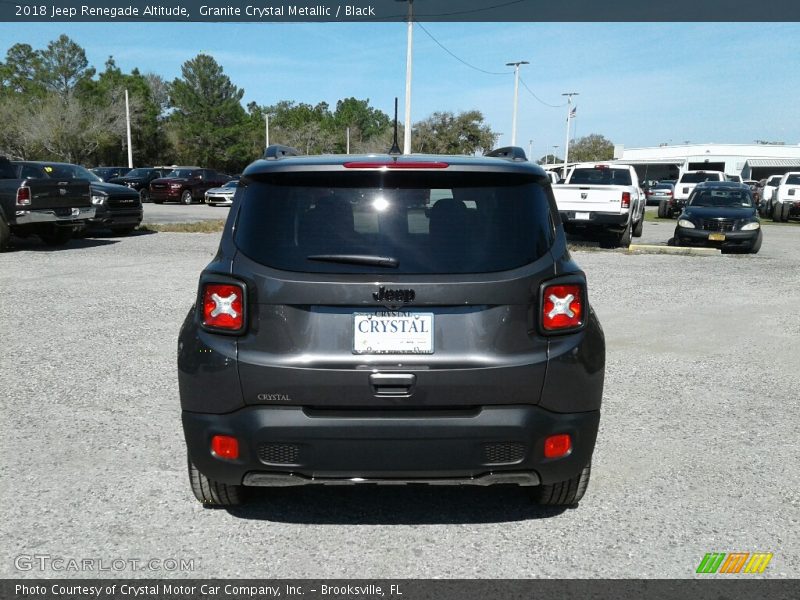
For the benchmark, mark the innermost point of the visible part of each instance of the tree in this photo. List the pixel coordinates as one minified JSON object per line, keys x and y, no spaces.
{"x":365,"y":123}
{"x":446,"y":133}
{"x":21,"y":73}
{"x":591,"y":147}
{"x":549,"y":159}
{"x":64,"y":66}
{"x":208,"y":119}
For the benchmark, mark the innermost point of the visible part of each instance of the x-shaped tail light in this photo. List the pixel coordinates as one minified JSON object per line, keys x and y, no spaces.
{"x":562,"y":307}
{"x":223,"y":307}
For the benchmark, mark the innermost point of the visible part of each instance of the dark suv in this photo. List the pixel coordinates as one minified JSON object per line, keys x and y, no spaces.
{"x":388,"y":319}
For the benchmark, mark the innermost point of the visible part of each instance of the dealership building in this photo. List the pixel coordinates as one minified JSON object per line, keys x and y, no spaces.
{"x":751,"y":161}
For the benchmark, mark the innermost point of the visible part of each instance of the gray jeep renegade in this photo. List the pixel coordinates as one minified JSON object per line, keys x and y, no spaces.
{"x":391,"y":319}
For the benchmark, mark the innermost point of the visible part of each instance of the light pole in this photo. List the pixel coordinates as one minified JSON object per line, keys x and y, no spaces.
{"x":569,"y":96}
{"x":530,"y":150}
{"x":409,"y":56}
{"x":266,"y":130}
{"x":128,"y":127}
{"x":516,"y":97}
{"x":554,"y":154}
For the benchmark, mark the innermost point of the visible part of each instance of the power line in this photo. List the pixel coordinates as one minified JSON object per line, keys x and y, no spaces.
{"x":461,"y":60}
{"x":537,"y":97}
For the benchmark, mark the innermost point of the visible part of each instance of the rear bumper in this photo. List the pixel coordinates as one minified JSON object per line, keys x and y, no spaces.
{"x":294,"y":445}
{"x":60,"y":217}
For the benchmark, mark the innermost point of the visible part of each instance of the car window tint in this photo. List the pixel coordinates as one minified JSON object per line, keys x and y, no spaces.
{"x":454,"y":223}
{"x":601,"y":177}
{"x":793,"y":179}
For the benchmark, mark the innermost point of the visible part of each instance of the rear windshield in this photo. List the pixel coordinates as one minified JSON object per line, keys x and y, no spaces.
{"x":423,"y":224}
{"x":793,"y":179}
{"x":601,"y":176}
{"x":699,"y":177}
{"x":663,"y":186}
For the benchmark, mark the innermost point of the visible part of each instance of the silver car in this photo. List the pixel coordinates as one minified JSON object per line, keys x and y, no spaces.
{"x":222,"y":196}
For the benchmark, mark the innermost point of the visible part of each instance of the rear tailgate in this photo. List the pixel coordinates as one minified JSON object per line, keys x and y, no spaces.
{"x":590,"y":198}
{"x":51,"y":194}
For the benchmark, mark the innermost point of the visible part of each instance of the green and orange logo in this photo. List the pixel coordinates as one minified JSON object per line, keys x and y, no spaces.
{"x":734,"y":562}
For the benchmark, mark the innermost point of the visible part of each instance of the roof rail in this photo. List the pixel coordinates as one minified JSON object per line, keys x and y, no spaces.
{"x":509,"y":152}
{"x":276,"y":151}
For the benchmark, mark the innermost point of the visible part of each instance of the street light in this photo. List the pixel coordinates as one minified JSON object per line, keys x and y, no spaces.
{"x":569,"y":96}
{"x":409,"y":46}
{"x":554,"y":154}
{"x":516,"y":97}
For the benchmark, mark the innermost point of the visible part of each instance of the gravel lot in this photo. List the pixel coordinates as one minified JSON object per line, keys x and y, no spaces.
{"x":697,"y":450}
{"x":178,"y":213}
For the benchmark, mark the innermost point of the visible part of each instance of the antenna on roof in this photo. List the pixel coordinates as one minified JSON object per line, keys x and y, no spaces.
{"x":395,"y":149}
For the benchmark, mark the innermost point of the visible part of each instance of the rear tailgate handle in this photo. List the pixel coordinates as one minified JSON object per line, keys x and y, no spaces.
{"x":392,"y":384}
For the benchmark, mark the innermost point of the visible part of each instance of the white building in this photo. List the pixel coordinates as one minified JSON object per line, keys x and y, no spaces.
{"x":751,"y":161}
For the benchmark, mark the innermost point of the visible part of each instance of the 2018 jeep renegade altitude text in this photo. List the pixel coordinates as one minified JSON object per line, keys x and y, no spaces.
{"x":391,"y":319}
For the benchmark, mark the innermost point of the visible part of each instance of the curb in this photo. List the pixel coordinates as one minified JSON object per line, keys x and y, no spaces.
{"x":680,"y":250}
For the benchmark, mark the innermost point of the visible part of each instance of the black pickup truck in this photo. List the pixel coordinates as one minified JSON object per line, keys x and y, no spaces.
{"x":53,"y":209}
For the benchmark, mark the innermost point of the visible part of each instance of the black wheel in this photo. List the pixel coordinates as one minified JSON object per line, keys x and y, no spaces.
{"x":757,"y":244}
{"x":57,"y":237}
{"x":127,"y":230}
{"x":563,"y":493}
{"x":5,"y":234}
{"x":144,"y":195}
{"x":186,"y":197}
{"x":639,"y":228}
{"x":213,"y":493}
{"x":785,"y":208}
{"x":624,"y":239}
{"x":662,"y":209}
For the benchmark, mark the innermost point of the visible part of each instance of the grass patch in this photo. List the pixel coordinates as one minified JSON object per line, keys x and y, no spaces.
{"x":214,"y":226}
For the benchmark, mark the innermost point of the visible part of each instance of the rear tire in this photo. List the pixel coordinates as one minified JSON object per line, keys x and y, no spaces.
{"x":58,"y":237}
{"x":662,"y":209}
{"x":777,"y":212}
{"x":213,"y":493}
{"x":5,"y":234}
{"x":144,"y":195}
{"x":624,"y":239}
{"x":563,"y":493}
{"x":639,"y":228}
{"x":186,"y":197}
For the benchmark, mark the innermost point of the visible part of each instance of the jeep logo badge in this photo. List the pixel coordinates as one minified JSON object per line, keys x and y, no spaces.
{"x":394,"y":295}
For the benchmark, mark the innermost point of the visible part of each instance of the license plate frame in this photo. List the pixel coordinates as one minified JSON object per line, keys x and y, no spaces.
{"x":368,"y":341}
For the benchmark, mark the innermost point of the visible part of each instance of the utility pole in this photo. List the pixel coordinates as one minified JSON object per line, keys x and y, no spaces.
{"x":516,"y":98}
{"x":409,"y":56}
{"x":266,"y":130}
{"x":569,"y":96}
{"x":530,"y":150}
{"x":128,"y":126}
{"x":554,"y":154}
{"x":348,"y":140}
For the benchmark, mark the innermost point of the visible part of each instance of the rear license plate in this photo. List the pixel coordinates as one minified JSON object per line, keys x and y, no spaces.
{"x":390,"y":332}
{"x":582,"y":216}
{"x":716,"y":237}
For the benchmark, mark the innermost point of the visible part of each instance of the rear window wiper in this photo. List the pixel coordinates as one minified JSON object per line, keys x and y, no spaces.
{"x":357,"y":259}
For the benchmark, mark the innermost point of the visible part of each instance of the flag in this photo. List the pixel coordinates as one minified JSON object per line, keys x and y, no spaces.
{"x":572,"y":112}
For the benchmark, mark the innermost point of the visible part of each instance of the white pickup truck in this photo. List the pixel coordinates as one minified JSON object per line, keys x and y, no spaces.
{"x":602,"y":198}
{"x":786,"y":198}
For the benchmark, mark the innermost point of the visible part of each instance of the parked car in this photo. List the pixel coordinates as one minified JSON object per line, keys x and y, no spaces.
{"x":786,"y":198}
{"x":721,"y":215}
{"x":663,"y":194}
{"x":755,"y":189}
{"x":735,"y":178}
{"x":117,"y":207}
{"x":766,"y":205}
{"x":53,"y":209}
{"x":390,"y":319}
{"x":106,"y":173}
{"x":185,"y":185}
{"x":222,"y":196}
{"x":139,"y":179}
{"x":686,"y":183}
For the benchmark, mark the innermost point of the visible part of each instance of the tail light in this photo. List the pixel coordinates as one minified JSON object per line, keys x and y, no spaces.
{"x":23,"y":196}
{"x":223,"y":307}
{"x":626,"y":199}
{"x":563,"y":307}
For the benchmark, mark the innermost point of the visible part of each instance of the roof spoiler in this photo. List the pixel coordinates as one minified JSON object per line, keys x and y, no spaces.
{"x":277,"y":151}
{"x":508,"y":152}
